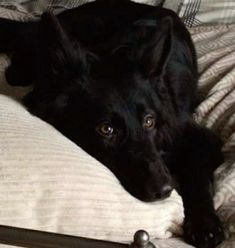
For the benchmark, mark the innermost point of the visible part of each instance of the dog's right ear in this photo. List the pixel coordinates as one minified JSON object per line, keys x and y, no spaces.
{"x":65,"y":60}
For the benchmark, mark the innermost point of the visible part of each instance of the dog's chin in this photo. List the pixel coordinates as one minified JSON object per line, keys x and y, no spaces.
{"x":146,"y":198}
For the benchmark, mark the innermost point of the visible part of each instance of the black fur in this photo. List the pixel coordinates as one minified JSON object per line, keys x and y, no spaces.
{"x":120,"y":80}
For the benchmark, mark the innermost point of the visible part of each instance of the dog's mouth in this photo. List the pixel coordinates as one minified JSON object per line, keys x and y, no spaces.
{"x":149,"y":199}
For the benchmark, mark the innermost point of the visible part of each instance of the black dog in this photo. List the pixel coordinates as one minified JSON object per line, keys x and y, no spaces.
{"x":120,"y":80}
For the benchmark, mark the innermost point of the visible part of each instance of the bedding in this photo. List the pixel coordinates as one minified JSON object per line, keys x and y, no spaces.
{"x":38,"y":7}
{"x":201,"y":12}
{"x":192,"y":12}
{"x":38,"y":197}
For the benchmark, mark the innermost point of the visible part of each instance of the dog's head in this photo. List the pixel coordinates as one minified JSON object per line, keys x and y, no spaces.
{"x":117,"y":107}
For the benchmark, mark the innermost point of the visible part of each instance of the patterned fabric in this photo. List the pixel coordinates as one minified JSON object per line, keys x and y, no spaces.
{"x":200,"y":12}
{"x":192,"y":12}
{"x":216,"y":58}
{"x":37,"y":7}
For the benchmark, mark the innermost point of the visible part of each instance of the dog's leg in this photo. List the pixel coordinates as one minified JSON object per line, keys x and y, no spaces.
{"x":199,"y":155}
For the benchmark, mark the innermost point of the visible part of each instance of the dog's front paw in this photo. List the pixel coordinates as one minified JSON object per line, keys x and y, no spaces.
{"x":203,"y":230}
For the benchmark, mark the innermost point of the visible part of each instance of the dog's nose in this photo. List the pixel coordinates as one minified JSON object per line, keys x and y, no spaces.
{"x":165,"y":191}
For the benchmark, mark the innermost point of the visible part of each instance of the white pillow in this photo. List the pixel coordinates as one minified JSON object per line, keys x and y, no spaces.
{"x":49,"y":183}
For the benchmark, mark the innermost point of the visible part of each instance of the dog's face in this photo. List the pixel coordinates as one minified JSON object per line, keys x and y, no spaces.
{"x":125,"y":124}
{"x":117,"y":108}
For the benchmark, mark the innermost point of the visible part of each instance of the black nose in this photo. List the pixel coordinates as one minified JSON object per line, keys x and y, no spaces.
{"x":165,"y":191}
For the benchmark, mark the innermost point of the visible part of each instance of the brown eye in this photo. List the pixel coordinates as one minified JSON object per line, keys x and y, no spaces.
{"x":149,"y":121}
{"x":105,"y":129}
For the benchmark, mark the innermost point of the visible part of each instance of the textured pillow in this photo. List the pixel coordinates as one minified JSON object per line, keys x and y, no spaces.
{"x":49,"y":183}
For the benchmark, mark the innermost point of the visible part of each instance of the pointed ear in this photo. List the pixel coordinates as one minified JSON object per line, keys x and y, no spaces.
{"x":156,"y":51}
{"x":53,"y":32}
{"x":64,"y":58}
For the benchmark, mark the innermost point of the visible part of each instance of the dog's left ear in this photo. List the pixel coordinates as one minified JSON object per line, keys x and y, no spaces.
{"x":65,"y":59}
{"x":62,"y":69}
{"x":156,"y":51}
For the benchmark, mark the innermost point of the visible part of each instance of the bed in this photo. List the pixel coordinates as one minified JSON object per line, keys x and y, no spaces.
{"x":43,"y":174}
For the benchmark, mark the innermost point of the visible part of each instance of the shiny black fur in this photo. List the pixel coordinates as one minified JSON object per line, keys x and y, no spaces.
{"x":113,"y":63}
